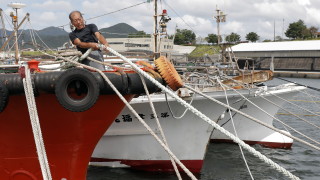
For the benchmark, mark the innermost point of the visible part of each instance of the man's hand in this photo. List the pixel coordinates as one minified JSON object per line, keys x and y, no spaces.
{"x":95,"y":46}
{"x":103,"y":47}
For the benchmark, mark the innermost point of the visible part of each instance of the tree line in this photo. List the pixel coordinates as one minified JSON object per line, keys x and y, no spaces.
{"x":296,"y":30}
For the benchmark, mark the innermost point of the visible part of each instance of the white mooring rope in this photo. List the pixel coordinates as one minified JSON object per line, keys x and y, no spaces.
{"x":36,"y":129}
{"x":275,"y":118}
{"x":137,"y":115}
{"x":159,"y":126}
{"x":205,"y":118}
{"x":234,"y":129}
{"x":192,"y":109}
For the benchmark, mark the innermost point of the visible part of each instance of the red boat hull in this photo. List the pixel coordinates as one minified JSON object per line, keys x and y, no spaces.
{"x":69,"y":137}
{"x":262,"y":143}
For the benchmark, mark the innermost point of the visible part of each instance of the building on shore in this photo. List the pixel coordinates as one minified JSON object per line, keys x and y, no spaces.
{"x":286,"y":55}
{"x":139,"y":44}
{"x":146,"y":45}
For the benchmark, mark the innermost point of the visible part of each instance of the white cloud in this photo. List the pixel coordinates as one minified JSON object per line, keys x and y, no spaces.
{"x":53,"y":6}
{"x":304,"y":2}
{"x":242,"y":16}
{"x":48,"y":16}
{"x":313,"y":15}
{"x":232,"y":26}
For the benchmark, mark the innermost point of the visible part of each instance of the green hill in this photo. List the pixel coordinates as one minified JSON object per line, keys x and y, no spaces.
{"x":55,"y":37}
{"x":120,"y":30}
{"x":201,"y":50}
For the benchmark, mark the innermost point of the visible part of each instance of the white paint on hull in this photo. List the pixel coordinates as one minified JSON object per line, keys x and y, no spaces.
{"x":187,"y":137}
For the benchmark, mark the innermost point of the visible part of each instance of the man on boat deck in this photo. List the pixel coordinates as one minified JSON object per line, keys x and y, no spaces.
{"x":85,"y":37}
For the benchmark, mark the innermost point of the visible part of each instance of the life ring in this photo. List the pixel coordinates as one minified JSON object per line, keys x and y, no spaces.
{"x":4,"y":95}
{"x":168,"y":73}
{"x":77,"y":89}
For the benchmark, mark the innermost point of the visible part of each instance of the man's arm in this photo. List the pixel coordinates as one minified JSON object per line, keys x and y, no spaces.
{"x":101,"y":39}
{"x":86,"y":45}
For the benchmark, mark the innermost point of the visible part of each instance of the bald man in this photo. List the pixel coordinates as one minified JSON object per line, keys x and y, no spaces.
{"x":85,"y":37}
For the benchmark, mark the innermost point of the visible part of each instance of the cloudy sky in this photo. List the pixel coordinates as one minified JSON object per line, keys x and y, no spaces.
{"x":243,"y":16}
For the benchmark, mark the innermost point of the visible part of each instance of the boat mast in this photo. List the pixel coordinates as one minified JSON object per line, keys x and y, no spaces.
{"x":220,"y":17}
{"x":11,"y":35}
{"x":155,"y":31}
{"x":16,"y":6}
{"x":4,"y":31}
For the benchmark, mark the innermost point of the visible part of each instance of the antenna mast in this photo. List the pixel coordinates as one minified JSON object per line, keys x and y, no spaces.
{"x":155,"y":32}
{"x":4,"y":32}
{"x":16,"y":6}
{"x":220,"y":17}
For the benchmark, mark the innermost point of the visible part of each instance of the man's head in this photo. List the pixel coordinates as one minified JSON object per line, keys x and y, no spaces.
{"x":77,"y":19}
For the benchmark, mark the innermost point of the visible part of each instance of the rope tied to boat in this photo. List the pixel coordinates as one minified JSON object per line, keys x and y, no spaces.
{"x":191,"y":108}
{"x":159,"y":126}
{"x":205,"y":118}
{"x":234,"y":129}
{"x":170,"y":109}
{"x":36,"y":129}
{"x":180,"y":100}
{"x":136,"y":115}
{"x":259,"y":93}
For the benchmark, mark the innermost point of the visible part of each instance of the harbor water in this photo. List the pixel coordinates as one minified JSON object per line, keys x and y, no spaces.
{"x":224,"y":161}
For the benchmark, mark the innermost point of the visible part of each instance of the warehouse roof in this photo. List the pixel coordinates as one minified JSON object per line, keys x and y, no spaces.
{"x":278,"y":46}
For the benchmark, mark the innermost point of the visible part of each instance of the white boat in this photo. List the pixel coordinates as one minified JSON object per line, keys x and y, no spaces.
{"x":128,"y":144}
{"x":251,"y":132}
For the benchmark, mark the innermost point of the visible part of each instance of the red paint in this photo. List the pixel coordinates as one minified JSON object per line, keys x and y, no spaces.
{"x":155,"y":165}
{"x":164,"y":12}
{"x":69,"y":137}
{"x":34,"y":65}
{"x":262,"y":143}
{"x":22,"y":71}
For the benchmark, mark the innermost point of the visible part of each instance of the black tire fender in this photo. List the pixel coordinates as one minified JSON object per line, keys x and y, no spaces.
{"x":4,"y":95}
{"x":77,"y":89}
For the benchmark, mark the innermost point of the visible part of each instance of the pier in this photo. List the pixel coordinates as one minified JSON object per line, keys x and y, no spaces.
{"x":298,"y":74}
{"x":300,"y":59}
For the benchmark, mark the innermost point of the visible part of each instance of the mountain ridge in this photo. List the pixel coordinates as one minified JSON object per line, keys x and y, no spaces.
{"x":55,"y":37}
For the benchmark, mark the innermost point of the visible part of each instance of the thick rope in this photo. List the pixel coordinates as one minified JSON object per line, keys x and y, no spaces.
{"x":296,"y":106}
{"x":159,"y":125}
{"x":205,"y":118}
{"x":137,"y":115}
{"x":36,"y":129}
{"x":250,"y":149}
{"x":277,"y":119}
{"x":266,"y":125}
{"x":317,"y":97}
{"x":235,"y":131}
{"x":183,"y":114}
{"x":302,"y":119}
{"x":239,"y":141}
{"x":316,"y":103}
{"x":256,"y":120}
